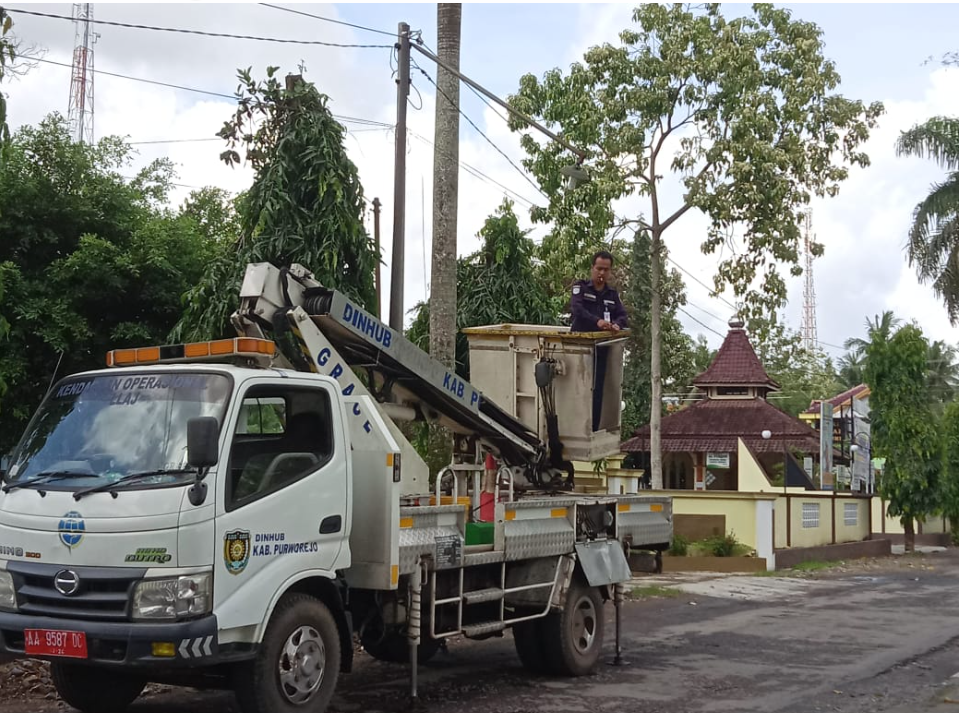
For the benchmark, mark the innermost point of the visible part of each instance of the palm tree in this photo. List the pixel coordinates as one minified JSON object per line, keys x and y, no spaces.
{"x":881,"y":329}
{"x":851,"y":366}
{"x":933,"y":247}
{"x":942,"y":373}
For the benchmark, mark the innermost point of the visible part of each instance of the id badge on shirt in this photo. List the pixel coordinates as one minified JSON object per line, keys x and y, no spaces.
{"x":606,"y":315}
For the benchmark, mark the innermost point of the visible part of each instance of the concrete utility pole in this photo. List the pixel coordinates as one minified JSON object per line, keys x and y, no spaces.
{"x":379,"y":256}
{"x":445,"y":186}
{"x":399,"y":179}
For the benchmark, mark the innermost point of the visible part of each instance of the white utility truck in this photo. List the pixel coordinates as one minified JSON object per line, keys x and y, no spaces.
{"x":232,"y":513}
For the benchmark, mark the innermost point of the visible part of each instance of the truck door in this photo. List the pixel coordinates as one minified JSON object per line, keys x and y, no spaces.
{"x":282,"y":503}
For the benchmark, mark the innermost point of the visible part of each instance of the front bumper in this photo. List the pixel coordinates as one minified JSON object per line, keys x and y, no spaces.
{"x":125,"y":643}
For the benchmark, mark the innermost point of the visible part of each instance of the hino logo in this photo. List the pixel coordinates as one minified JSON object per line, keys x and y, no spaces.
{"x":67,"y":582}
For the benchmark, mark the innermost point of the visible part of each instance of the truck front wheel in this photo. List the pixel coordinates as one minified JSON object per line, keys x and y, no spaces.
{"x":95,"y":690}
{"x":573,"y":638}
{"x":298,"y":664}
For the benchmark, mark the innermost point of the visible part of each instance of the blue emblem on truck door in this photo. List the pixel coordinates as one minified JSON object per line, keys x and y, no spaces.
{"x":236,"y":550}
{"x":71,"y":529}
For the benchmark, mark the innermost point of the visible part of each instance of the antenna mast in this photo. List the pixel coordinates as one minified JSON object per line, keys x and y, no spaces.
{"x":809,"y":333}
{"x":80,"y":111}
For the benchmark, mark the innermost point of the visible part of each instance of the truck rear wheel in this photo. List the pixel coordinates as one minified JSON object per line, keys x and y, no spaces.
{"x":298,"y":664}
{"x":95,"y":690}
{"x":573,"y":638}
{"x":530,"y":647}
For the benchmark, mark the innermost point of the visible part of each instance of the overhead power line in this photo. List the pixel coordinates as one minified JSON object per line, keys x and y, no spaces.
{"x":203,"y":33}
{"x":232,"y":97}
{"x":328,"y":19}
{"x":700,"y":323}
{"x":478,"y":173}
{"x":480,"y":131}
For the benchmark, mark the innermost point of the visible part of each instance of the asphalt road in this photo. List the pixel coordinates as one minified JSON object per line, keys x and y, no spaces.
{"x":880,"y":637}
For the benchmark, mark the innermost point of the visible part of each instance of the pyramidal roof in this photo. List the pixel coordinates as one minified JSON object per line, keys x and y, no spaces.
{"x":736,"y":363}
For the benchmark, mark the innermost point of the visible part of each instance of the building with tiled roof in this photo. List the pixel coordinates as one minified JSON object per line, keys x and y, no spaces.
{"x":701,"y":443}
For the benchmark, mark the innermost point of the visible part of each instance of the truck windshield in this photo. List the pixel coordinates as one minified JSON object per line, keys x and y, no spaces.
{"x":108,"y":427}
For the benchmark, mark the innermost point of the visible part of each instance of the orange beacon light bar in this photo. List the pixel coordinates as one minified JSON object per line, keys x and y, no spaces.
{"x":261,"y":350}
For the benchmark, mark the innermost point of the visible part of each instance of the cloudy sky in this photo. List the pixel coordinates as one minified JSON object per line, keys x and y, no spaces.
{"x":880,"y":50}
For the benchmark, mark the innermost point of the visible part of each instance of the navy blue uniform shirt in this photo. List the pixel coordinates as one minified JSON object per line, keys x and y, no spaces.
{"x":589,"y":306}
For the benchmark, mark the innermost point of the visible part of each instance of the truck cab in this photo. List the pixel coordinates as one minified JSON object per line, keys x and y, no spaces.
{"x":112,"y":559}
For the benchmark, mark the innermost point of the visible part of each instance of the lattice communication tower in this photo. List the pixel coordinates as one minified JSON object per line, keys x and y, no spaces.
{"x":80,"y":111}
{"x":810,"y":337}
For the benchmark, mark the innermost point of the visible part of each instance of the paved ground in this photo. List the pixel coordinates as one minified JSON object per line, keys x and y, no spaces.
{"x":880,"y":636}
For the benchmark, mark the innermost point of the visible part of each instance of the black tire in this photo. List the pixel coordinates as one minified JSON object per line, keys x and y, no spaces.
{"x":301,"y":629}
{"x":95,"y":690}
{"x":530,"y":645}
{"x":573,"y":638}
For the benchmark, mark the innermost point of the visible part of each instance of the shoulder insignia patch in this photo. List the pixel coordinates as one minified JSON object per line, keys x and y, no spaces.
{"x":576,"y":289}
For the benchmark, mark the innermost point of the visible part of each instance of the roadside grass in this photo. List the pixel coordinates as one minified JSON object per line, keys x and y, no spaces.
{"x":816,"y":565}
{"x":799,"y":569}
{"x":652,"y":591}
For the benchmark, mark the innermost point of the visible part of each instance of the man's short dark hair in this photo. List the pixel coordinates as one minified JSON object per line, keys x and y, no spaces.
{"x":602,"y":255}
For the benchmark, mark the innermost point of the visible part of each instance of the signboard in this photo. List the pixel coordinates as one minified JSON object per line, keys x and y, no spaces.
{"x":807,"y":465}
{"x":825,"y":440}
{"x":717,"y":460}
{"x":448,"y":551}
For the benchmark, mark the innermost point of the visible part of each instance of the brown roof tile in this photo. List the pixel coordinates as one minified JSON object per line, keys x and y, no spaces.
{"x":855,"y":391}
{"x":736,"y":363}
{"x":716,"y":424}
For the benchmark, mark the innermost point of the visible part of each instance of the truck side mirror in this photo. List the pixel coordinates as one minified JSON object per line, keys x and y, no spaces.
{"x":202,"y":441}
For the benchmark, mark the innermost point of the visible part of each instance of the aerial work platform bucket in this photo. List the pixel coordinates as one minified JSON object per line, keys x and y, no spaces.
{"x":503,"y":360}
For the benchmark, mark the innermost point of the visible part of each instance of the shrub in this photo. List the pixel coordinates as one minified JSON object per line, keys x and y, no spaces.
{"x":722,"y":546}
{"x":679,"y":547}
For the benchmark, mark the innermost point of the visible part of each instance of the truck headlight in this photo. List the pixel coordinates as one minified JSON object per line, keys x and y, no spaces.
{"x":8,"y":594}
{"x":173,"y":597}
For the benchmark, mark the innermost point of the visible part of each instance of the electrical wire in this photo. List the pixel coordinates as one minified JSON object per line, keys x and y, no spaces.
{"x":476,"y":172}
{"x":700,"y":323}
{"x":328,"y":19}
{"x":338,"y":117}
{"x":480,"y":131}
{"x":202,"y":33}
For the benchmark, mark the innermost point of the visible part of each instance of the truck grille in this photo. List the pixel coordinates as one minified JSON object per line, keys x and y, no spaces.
{"x":102,"y":592}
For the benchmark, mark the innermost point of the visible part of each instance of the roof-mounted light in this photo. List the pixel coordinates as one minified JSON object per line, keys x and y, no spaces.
{"x":260,"y":350}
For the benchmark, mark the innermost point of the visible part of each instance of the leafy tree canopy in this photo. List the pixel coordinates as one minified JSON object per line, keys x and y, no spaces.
{"x":495,"y":285}
{"x":89,"y":262}
{"x":742,"y":112}
{"x":903,"y":427}
{"x":305,"y":204}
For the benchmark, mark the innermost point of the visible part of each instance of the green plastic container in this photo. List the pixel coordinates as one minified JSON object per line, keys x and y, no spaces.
{"x":479,"y":533}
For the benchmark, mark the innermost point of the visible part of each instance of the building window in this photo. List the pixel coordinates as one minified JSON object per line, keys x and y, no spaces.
{"x":850,"y":514}
{"x":732,"y":391}
{"x":810,"y":514}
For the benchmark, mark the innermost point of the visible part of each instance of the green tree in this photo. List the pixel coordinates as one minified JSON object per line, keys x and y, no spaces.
{"x":88,"y":262}
{"x":494,"y":286}
{"x":8,"y":54}
{"x":305,"y":204}
{"x":678,"y":348}
{"x":950,"y":465}
{"x":743,"y":113}
{"x":851,"y":365}
{"x":903,"y":427}
{"x":933,"y":247}
{"x":942,"y":375}
{"x":803,"y":376}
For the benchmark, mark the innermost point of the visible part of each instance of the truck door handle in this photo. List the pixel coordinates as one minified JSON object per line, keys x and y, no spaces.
{"x":331,"y":524}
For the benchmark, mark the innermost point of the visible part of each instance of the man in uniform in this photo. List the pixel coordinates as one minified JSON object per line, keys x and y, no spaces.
{"x":596,"y":307}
